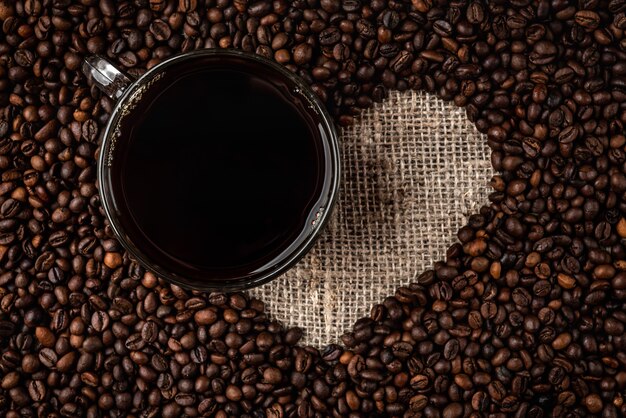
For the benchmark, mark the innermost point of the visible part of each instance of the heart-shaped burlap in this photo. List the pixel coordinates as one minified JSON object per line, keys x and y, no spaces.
{"x":414,"y":168}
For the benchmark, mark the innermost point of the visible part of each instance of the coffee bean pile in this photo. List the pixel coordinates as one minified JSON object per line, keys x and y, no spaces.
{"x":525,"y":317}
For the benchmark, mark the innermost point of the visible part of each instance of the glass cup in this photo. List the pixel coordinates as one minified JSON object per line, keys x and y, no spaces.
{"x":127,"y":93}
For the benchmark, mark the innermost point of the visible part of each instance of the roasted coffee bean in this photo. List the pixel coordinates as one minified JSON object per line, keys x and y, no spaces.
{"x":149,"y":332}
{"x":588,"y":19}
{"x":47,"y":357}
{"x":160,"y":30}
{"x":37,"y":390}
{"x":329,"y":36}
{"x":475,"y":13}
{"x":99,"y":321}
{"x":544,"y":52}
{"x":302,"y":54}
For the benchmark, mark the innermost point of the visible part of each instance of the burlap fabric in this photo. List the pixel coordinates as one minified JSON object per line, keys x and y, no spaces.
{"x":414,"y":168}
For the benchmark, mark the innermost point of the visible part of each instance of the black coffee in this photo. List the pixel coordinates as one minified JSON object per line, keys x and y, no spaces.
{"x":220,"y":172}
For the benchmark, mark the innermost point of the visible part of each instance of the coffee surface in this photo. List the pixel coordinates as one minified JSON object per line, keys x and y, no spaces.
{"x":220,"y":172}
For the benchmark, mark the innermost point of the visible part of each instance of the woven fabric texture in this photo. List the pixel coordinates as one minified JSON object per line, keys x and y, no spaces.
{"x":414,"y":169}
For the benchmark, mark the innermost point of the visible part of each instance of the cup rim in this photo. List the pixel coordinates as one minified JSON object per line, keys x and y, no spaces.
{"x":267,"y":274}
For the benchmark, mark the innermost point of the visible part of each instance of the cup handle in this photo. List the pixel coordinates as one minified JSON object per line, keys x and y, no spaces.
{"x":106,"y":76}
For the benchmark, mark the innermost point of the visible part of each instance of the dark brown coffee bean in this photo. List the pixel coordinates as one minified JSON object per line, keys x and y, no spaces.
{"x":442,"y":28}
{"x":48,"y":357}
{"x":92,"y":344}
{"x":128,"y":59}
{"x":588,"y":19}
{"x":293,"y":336}
{"x":205,"y":317}
{"x":329,"y":36}
{"x":99,"y":321}
{"x":451,"y":349}
{"x":521,"y":297}
{"x":341,"y":52}
{"x":400,"y":61}
{"x":37,"y":390}
{"x":418,"y":403}
{"x":160,"y":30}
{"x":149,"y":332}
{"x":475,"y":12}
{"x":45,"y":337}
{"x":488,"y":310}
{"x":365,"y":29}
{"x":233,"y":393}
{"x":593,"y":402}
{"x":544,"y":52}
{"x":302,"y":54}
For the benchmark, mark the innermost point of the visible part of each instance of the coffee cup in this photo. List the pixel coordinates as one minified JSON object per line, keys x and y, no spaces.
{"x":217,"y":169}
